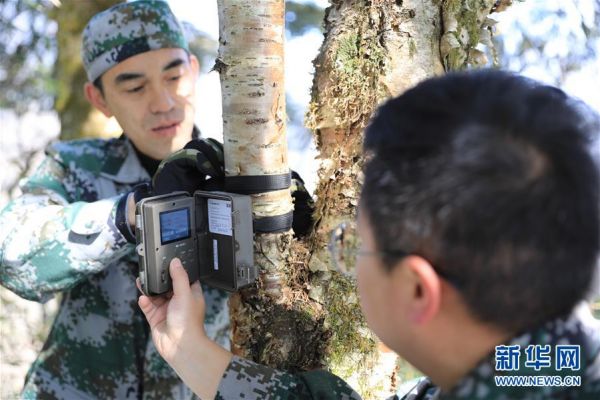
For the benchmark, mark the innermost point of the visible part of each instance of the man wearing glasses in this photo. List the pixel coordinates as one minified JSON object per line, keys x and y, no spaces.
{"x":477,"y":236}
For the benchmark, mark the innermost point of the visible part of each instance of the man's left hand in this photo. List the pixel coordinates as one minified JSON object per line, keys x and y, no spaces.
{"x":199,"y":165}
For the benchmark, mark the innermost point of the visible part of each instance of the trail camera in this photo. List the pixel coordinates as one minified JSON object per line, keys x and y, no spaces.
{"x":210,"y":232}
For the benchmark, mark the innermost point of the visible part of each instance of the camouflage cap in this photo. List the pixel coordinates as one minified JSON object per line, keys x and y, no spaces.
{"x":128,"y":29}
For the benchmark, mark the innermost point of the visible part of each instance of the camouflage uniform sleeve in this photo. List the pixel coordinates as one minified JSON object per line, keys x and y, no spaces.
{"x":49,"y":243}
{"x":246,"y":379}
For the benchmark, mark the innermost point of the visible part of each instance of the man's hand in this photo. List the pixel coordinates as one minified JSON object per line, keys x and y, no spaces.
{"x":177,"y":319}
{"x":304,"y":207}
{"x":131,"y":211}
{"x":177,"y":325}
{"x":199,"y":165}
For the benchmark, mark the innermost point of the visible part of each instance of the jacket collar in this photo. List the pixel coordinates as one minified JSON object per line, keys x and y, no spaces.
{"x":122,"y":164}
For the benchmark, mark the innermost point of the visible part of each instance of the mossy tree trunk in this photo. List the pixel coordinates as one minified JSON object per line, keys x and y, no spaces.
{"x":250,"y":63}
{"x":372,"y":50}
{"x":77,"y":117}
{"x":302,"y":315}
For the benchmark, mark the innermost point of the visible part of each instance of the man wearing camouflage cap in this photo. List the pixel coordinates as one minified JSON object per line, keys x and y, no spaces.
{"x":70,"y":232}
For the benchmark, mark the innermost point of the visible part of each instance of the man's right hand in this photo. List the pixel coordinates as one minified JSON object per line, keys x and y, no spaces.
{"x":176,"y":319}
{"x":177,"y":325}
{"x":198,"y":165}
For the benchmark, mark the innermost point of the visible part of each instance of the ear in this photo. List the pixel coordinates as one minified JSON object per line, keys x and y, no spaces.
{"x":96,"y":98}
{"x":195,"y":64}
{"x":421,"y":286}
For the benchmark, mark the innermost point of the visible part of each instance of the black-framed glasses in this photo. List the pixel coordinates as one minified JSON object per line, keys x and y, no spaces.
{"x":345,"y":247}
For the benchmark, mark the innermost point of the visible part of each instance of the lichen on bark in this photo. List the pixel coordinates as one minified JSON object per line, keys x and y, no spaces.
{"x":351,"y":339}
{"x":372,"y":50}
{"x":274,"y":322}
{"x":364,"y":60}
{"x":463,"y":22}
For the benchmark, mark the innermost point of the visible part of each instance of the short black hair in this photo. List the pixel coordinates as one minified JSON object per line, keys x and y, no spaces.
{"x":489,"y":176}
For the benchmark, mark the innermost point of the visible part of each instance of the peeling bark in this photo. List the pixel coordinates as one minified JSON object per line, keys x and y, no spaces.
{"x":302,"y":315}
{"x":393,"y":48}
{"x":250,"y":63}
{"x":465,"y":24}
{"x":372,"y":50}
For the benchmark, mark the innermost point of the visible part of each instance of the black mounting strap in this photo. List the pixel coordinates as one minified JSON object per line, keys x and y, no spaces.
{"x":254,"y":184}
{"x":277,"y":223}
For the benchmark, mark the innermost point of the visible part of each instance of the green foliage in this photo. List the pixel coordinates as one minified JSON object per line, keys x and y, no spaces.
{"x":27,"y":54}
{"x":300,"y":17}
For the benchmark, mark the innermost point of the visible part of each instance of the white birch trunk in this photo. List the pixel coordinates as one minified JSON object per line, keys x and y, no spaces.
{"x":250,"y":63}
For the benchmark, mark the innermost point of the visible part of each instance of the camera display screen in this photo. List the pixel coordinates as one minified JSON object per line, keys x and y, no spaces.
{"x":174,"y":225}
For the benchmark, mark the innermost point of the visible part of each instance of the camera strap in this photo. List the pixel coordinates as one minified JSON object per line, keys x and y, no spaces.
{"x":273,"y":224}
{"x":254,"y":184}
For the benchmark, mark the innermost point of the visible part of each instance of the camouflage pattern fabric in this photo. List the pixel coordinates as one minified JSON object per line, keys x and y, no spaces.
{"x":60,"y":237}
{"x":245,"y":379}
{"x":127,"y":29}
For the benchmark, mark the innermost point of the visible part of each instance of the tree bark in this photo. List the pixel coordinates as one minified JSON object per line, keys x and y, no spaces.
{"x":78,"y":118}
{"x":372,"y":50}
{"x":303,"y":315}
{"x":250,"y":64}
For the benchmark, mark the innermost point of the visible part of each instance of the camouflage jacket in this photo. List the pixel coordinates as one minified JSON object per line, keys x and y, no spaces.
{"x":60,"y":237}
{"x":245,"y":379}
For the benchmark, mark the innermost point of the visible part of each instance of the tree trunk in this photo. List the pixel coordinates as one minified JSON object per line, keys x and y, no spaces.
{"x":77,"y":117}
{"x":250,"y":63}
{"x":372,"y":50}
{"x":302,"y":315}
